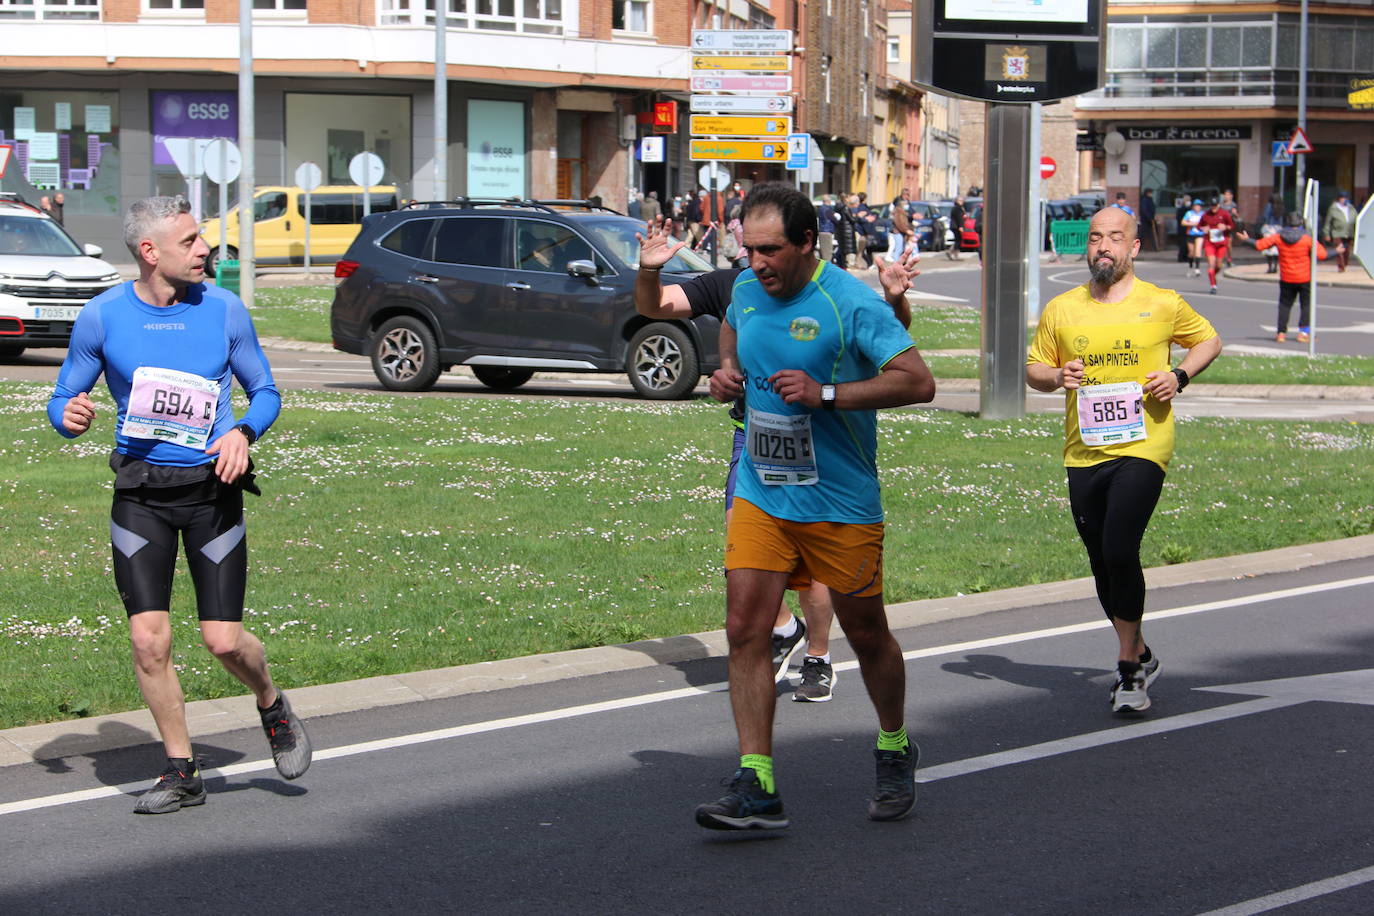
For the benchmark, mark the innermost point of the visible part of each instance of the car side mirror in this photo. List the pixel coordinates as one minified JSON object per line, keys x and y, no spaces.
{"x":584,"y":269}
{"x":94,"y":251}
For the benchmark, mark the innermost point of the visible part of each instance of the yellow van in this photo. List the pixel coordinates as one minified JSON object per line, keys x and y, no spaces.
{"x":336,"y":215}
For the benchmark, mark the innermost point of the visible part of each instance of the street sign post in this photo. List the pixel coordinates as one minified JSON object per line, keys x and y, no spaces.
{"x":723,"y":83}
{"x":1298,"y":142}
{"x":739,"y":150}
{"x":713,"y":176}
{"x":771,"y":64}
{"x":798,"y":152}
{"x":760,"y":41}
{"x":1047,"y":167}
{"x":1279,"y":155}
{"x":740,"y":126}
{"x":222,"y":163}
{"x":366,"y":169}
{"x":755,"y":104}
{"x":1364,"y":238}
{"x":308,"y":178}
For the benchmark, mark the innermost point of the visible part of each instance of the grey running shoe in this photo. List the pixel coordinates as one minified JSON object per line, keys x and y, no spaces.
{"x":1150,"y":669}
{"x":1129,"y":694}
{"x":817,"y":681}
{"x":173,"y":791}
{"x":896,"y":794}
{"x":745,"y":807}
{"x":291,"y":750}
{"x":784,"y":647}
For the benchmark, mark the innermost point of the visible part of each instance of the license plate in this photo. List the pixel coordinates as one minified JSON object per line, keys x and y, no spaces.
{"x":56,"y":312}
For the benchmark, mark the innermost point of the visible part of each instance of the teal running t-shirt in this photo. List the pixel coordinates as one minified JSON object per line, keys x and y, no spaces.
{"x":801,"y":464}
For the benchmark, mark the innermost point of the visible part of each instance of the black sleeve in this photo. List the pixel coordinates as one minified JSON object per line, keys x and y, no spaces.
{"x":709,"y":294}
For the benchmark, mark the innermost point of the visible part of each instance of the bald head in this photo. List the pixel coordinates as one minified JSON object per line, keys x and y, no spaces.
{"x":1111,"y":219}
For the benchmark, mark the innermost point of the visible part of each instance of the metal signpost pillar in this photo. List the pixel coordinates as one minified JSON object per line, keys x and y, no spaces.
{"x":441,"y":100}
{"x":1011,"y":54}
{"x":1006,"y":268}
{"x":248,"y":174}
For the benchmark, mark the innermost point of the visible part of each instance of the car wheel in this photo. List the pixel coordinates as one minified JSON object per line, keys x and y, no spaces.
{"x":405,"y":355}
{"x":502,"y":378}
{"x":212,"y":260}
{"x":662,"y":363}
{"x":10,"y":350}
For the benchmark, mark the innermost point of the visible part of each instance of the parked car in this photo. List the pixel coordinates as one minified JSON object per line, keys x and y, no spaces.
{"x":1089,"y":202}
{"x":336,"y":215}
{"x":510,"y":288}
{"x":969,"y":239}
{"x":46,"y":278}
{"x":928,"y":224}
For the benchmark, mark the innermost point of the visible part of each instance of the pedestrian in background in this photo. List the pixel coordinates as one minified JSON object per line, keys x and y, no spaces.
{"x":956,"y":222}
{"x":825,"y":218}
{"x":649,"y":209}
{"x":900,"y":234}
{"x":1294,"y":248}
{"x":1339,"y":228}
{"x":1149,"y":220}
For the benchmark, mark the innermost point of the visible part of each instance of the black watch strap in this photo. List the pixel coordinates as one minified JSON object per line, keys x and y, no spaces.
{"x":247,"y":432}
{"x":1182,"y":378}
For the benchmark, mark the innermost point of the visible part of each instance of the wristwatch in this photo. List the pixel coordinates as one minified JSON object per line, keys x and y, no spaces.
{"x":1182,"y":378}
{"x":828,"y":397}
{"x":247,"y":432}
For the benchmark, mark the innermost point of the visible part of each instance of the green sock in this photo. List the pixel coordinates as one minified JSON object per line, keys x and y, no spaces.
{"x":762,"y":765}
{"x":893,"y":741}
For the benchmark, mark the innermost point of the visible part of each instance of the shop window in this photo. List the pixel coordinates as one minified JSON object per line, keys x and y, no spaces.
{"x":63,"y":141}
{"x":330,"y":129}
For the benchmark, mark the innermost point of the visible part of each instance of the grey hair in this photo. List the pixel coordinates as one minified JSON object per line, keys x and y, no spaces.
{"x":144,"y":216}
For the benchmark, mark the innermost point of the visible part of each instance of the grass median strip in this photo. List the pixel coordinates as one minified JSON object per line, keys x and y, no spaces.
{"x":403,"y":533}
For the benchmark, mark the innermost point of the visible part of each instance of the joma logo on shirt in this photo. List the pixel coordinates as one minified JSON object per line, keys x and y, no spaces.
{"x":164,"y":326}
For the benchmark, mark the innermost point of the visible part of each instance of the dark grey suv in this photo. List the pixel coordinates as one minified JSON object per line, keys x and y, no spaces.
{"x":509,"y":288}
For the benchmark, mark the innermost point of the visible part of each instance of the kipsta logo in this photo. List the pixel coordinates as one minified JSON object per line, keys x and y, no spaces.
{"x":804,"y":328}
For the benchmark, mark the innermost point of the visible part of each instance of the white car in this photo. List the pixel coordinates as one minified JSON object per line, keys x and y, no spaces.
{"x":45,"y":279}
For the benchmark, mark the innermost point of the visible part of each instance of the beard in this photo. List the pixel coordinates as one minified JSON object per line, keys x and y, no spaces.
{"x":1109,"y":272}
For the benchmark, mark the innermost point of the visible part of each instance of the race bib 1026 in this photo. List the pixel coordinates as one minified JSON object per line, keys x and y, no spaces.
{"x":781,"y":450}
{"x":1111,"y":414}
{"x":171,"y":406}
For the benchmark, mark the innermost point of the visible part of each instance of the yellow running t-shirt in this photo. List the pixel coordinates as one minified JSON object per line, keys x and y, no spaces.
{"x":1118,"y":342}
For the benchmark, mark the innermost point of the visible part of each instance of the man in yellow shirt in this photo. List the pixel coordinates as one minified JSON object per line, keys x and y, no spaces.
{"x":1107,"y":344}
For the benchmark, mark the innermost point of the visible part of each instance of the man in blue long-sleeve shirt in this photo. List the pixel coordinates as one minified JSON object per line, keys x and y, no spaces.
{"x":170,"y":346}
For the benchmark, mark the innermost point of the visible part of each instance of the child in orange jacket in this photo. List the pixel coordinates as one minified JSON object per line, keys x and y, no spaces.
{"x":1295,"y":273}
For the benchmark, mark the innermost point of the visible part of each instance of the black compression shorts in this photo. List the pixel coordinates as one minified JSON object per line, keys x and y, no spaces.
{"x":144,"y":524}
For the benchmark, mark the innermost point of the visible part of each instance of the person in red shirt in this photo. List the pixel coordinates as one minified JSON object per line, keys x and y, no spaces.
{"x":1217,"y":226}
{"x":1295,"y":273}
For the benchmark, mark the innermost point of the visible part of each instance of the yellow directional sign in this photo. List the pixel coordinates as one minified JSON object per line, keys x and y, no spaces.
{"x":735,"y":126}
{"x":773,"y":64}
{"x":740,"y":150}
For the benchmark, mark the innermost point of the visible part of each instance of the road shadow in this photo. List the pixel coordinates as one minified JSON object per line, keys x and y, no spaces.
{"x":1057,"y":679}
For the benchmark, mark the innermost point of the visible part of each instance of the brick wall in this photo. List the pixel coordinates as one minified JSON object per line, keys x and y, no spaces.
{"x":838,"y":36}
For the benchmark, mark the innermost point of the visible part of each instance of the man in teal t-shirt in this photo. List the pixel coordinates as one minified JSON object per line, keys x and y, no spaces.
{"x":816,"y":353}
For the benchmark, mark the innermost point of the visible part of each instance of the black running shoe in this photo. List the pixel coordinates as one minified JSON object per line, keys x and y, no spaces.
{"x":817,"y":681}
{"x":896,"y":794}
{"x":291,"y":750}
{"x":173,"y":791}
{"x":745,"y":807}
{"x":784,"y":647}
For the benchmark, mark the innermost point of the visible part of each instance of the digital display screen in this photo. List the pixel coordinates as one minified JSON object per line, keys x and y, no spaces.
{"x":1020,"y":11}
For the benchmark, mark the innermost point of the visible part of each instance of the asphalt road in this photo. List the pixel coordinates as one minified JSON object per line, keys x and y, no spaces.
{"x":1248,"y":778}
{"x":1243,"y":311}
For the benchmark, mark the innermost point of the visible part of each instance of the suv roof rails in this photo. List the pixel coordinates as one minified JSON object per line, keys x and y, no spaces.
{"x":550,"y":206}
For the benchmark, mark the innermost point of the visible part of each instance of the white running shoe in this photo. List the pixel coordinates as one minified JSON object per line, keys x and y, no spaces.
{"x":1129,"y":695}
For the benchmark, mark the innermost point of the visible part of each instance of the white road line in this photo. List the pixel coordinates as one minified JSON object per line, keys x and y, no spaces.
{"x":367,"y":747}
{"x":1296,"y":894}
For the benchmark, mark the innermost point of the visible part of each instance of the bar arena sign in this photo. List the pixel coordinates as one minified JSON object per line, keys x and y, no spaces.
{"x":1188,"y":133}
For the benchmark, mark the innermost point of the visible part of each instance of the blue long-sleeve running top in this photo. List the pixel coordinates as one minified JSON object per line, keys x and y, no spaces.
{"x":178,"y":362}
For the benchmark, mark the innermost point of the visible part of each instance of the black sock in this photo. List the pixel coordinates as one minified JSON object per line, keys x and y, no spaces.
{"x":271,"y":710}
{"x":186,"y":766}
{"x":1147,"y":656}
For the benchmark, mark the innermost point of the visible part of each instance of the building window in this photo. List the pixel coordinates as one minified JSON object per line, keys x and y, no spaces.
{"x":49,"y":9}
{"x":825,"y":77}
{"x":543,"y":17}
{"x":289,"y":7}
{"x":760,"y":18}
{"x":155,"y":8}
{"x":894,"y":50}
{"x":863,"y":94}
{"x":630,"y":15}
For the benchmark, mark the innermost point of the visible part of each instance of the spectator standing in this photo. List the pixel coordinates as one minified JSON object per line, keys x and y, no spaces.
{"x":1149,"y":220}
{"x":59,"y":202}
{"x":956,"y":223}
{"x":900,"y":234}
{"x":695,"y":214}
{"x":825,"y":217}
{"x":1182,"y":204}
{"x":1120,"y":203}
{"x":1294,"y":248}
{"x":1339,"y":228}
{"x":649,"y":210}
{"x":635,"y":208}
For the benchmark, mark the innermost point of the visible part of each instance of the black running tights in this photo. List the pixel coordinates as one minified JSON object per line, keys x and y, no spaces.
{"x":1112,"y":503}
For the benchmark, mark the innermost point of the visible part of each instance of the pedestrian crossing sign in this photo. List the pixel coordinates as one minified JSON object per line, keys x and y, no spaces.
{"x":1280,"y":154}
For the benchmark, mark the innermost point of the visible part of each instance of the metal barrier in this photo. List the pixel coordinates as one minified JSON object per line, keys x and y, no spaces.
{"x":1069,"y":236}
